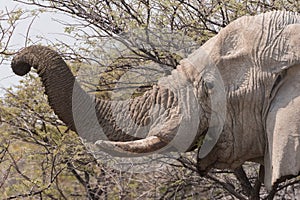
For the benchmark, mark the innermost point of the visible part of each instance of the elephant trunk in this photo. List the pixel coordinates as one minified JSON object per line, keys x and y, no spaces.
{"x":61,"y":85}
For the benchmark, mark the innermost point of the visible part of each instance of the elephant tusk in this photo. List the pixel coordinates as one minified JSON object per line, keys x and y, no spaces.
{"x":131,"y":148}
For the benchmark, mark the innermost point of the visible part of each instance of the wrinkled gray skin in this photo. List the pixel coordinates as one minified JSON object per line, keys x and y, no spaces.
{"x":258,"y":59}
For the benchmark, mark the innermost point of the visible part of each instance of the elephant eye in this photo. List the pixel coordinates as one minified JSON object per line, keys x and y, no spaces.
{"x":209,"y":85}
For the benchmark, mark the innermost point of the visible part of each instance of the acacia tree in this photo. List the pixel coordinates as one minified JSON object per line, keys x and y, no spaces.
{"x":41,"y":157}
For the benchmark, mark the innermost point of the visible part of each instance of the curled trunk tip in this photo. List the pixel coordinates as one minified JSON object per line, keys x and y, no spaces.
{"x":27,"y":58}
{"x":20,"y":66}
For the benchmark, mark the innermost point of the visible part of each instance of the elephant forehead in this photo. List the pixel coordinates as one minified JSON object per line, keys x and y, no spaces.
{"x":267,"y":43}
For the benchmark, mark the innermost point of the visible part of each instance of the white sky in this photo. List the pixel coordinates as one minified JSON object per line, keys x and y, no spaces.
{"x":44,"y":25}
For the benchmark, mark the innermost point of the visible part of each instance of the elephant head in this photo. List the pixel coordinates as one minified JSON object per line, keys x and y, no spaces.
{"x":250,"y":69}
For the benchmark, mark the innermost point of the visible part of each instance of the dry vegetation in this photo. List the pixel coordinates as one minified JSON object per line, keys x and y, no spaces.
{"x":41,"y":159}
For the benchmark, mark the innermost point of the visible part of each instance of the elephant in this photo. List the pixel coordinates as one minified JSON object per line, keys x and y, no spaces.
{"x":241,"y":87}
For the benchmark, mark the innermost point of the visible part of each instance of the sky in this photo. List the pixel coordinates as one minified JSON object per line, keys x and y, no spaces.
{"x":44,"y":25}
